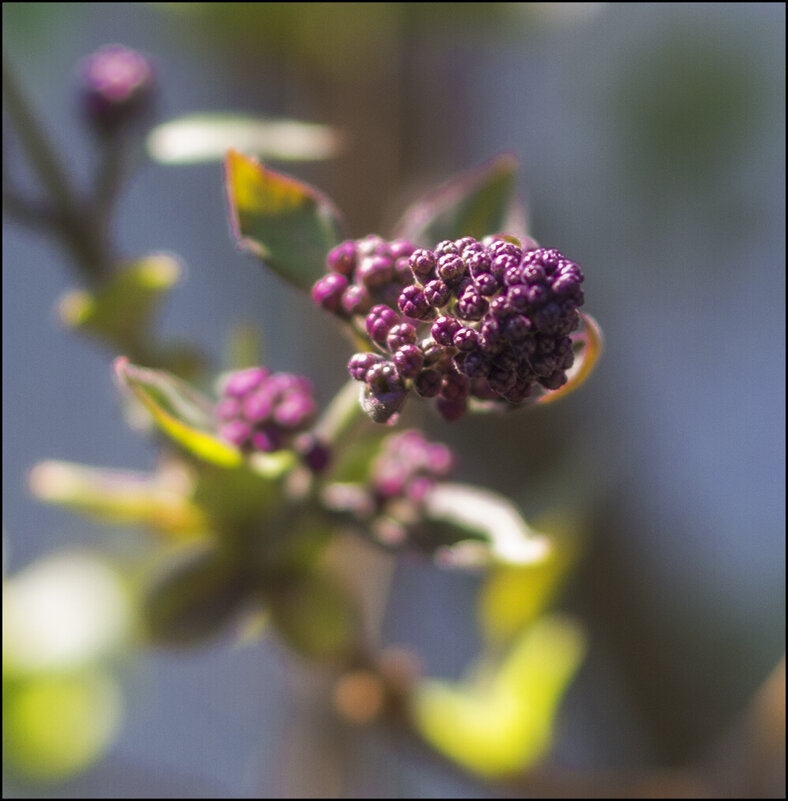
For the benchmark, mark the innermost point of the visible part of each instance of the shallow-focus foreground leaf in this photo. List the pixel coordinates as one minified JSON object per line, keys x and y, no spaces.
{"x":179,"y":411}
{"x":315,"y":616}
{"x":513,"y":596}
{"x":495,"y":531}
{"x":118,"y":496}
{"x":64,"y":617}
{"x":207,"y":137}
{"x":501,"y":720}
{"x":62,"y":613}
{"x":286,"y":223}
{"x":55,"y":726}
{"x":195,"y":593}
{"x":476,"y":203}
{"x":121,"y":310}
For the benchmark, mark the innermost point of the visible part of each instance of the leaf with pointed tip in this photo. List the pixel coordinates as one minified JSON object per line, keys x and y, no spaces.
{"x":197,"y":138}
{"x":476,"y":203}
{"x":116,"y":496}
{"x":500,"y":720}
{"x":287,"y":224}
{"x":179,"y":411}
{"x":121,"y":310}
{"x":489,"y":528}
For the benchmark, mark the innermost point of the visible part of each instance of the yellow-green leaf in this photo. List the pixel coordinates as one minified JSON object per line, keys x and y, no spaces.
{"x":55,"y":726}
{"x":288,"y":224}
{"x":512,"y":596}
{"x":179,"y":411}
{"x":117,"y":496}
{"x":121,"y":310}
{"x":501,"y":721}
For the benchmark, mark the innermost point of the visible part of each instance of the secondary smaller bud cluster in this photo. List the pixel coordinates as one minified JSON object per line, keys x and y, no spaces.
{"x":117,"y":86}
{"x":266,"y":412}
{"x":407,"y":467}
{"x":488,"y":320}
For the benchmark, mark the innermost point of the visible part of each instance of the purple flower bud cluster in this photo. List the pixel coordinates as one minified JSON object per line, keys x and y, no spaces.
{"x":264,"y":411}
{"x":486,"y":319}
{"x":407,"y":467}
{"x":117,"y":86}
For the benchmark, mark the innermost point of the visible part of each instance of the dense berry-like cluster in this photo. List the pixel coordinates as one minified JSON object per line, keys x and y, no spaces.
{"x":117,"y":85}
{"x":264,"y":411}
{"x":469,"y":319}
{"x":408,"y":466}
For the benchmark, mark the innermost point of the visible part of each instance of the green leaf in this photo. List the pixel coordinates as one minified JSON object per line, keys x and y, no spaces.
{"x":500,"y":721}
{"x":234,"y":501}
{"x":55,"y":726}
{"x":179,"y":411}
{"x":121,"y":310}
{"x":195,"y":594}
{"x":513,"y":596}
{"x":287,"y":224}
{"x":207,"y":137}
{"x":490,"y":529}
{"x":476,"y":203}
{"x":120,"y":497}
{"x":315,"y":616}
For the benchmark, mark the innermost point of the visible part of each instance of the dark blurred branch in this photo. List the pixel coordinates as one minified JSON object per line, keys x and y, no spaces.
{"x":71,"y":219}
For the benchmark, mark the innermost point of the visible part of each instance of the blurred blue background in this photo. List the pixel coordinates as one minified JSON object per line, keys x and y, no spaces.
{"x":652,"y":141}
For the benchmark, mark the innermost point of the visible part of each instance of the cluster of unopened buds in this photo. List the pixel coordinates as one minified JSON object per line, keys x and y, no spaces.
{"x":488,"y":320}
{"x":391,"y":504}
{"x":260,"y":411}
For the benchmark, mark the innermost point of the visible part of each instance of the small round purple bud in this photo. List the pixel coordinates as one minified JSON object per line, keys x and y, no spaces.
{"x":356,"y":300}
{"x":258,"y":406}
{"x":242,"y":382}
{"x":409,"y":360}
{"x":466,"y":339}
{"x":455,"y":387}
{"x":327,"y":292}
{"x":117,"y":88}
{"x":477,"y":262}
{"x":471,"y":305}
{"x":380,"y":321}
{"x":422,"y":263}
{"x":342,"y":259}
{"x":413,"y":303}
{"x":236,"y":432}
{"x":400,"y":334}
{"x":359,"y":364}
{"x":444,"y":329}
{"x":428,"y":383}
{"x":451,"y":267}
{"x":401,"y":248}
{"x":487,"y":284}
{"x":437,"y":293}
{"x":315,"y":454}
{"x":375,"y":271}
{"x":445,"y":247}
